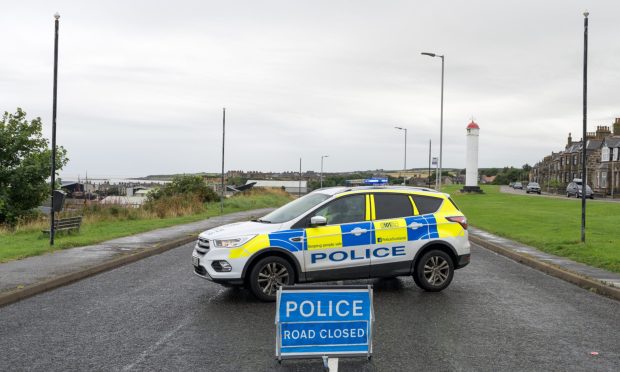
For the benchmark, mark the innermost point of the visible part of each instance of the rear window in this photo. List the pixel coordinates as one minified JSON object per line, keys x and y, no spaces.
{"x":427,"y":204}
{"x":453,"y":203}
{"x":392,"y":206}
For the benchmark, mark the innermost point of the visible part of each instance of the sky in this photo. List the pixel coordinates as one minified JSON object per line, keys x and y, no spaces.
{"x":142,"y":84}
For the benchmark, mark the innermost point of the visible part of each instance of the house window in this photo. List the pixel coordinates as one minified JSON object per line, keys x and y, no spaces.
{"x":616,"y":151}
{"x":605,"y":154}
{"x":574,"y":159}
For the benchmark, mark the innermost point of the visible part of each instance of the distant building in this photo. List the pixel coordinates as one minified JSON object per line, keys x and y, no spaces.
{"x":602,"y":162}
{"x":292,"y":187}
{"x":125,"y":201}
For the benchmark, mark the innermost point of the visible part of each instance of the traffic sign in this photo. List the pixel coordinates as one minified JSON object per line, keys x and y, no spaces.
{"x":316,"y":321}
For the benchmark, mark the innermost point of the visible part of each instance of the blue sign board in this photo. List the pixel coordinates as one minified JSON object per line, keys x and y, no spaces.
{"x":376,"y":181}
{"x":315,"y":321}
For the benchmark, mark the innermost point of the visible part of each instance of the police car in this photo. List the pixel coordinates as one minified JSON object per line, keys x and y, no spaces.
{"x":340,"y":233}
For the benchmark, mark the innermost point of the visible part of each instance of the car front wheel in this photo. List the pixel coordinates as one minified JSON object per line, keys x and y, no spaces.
{"x":269,"y":274}
{"x":434,"y":271}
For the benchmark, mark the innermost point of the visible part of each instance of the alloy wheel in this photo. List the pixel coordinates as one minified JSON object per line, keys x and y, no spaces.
{"x":271,"y":276}
{"x":436,"y":270}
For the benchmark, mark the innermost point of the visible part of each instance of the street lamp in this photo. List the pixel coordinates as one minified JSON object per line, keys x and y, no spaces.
{"x":322,"y":157}
{"x":584,"y":178}
{"x":405,"y":167}
{"x":441,"y":117}
{"x":223,"y":191}
{"x":52,"y":227}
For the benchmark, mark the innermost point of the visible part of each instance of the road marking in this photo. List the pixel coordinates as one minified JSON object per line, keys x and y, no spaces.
{"x":156,"y":345}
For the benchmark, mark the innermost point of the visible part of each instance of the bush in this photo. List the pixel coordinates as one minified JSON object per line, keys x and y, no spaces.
{"x":185,"y":185}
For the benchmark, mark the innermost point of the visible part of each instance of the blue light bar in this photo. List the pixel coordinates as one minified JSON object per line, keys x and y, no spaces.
{"x":376,"y":181}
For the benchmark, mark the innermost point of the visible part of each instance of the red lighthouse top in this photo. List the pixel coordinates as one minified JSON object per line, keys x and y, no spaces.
{"x":473,"y":125}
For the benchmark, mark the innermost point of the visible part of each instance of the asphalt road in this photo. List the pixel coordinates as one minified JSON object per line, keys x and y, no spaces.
{"x":156,"y":315}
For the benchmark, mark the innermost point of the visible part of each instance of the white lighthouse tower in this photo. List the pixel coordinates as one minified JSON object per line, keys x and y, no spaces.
{"x":471,"y":160}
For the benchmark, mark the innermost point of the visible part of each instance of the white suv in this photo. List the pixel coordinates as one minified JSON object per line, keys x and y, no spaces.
{"x":340,"y":233}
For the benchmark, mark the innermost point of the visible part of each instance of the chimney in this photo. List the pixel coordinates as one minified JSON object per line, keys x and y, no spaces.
{"x":617,"y":127}
{"x":602,"y":132}
{"x":570,"y":139}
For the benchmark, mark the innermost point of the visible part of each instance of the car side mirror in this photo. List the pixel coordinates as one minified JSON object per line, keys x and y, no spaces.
{"x":318,"y":221}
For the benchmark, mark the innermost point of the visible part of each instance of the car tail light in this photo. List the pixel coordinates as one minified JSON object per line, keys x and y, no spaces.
{"x":462,"y":220}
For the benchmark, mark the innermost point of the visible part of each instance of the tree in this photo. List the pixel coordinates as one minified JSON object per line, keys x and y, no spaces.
{"x":24,"y":166}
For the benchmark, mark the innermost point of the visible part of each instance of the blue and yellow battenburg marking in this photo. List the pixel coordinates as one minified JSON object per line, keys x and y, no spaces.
{"x":351,"y":235}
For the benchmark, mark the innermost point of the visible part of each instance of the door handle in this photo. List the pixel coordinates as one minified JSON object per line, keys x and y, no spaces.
{"x":296,"y":239}
{"x":358,"y":231}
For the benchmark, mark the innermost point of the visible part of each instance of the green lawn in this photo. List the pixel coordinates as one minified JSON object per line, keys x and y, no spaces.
{"x":31,"y":243}
{"x":551,"y":225}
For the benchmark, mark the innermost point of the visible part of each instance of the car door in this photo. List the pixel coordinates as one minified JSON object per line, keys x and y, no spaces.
{"x":338,"y":250}
{"x":393,"y":219}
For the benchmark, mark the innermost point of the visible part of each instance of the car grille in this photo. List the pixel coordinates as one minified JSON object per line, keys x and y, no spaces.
{"x":203,"y":245}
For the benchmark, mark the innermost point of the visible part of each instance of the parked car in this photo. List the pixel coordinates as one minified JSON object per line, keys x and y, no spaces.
{"x":574,"y":189}
{"x":533,"y":187}
{"x":340,"y":233}
{"x":518,"y":185}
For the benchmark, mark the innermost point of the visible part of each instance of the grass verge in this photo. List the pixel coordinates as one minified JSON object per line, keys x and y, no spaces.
{"x":29,"y":241}
{"x":549,"y":224}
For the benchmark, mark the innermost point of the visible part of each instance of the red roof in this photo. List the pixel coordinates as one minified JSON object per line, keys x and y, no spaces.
{"x":473,"y":125}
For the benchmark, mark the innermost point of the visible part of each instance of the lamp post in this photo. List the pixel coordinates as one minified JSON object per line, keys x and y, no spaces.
{"x":441,"y":117}
{"x":56,"y":18}
{"x":405,"y":166}
{"x":429,"y":163}
{"x":322,"y":157}
{"x":584,"y":150}
{"x":223,"y":191}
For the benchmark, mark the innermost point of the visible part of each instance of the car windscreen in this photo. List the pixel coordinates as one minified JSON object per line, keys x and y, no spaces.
{"x":294,"y":208}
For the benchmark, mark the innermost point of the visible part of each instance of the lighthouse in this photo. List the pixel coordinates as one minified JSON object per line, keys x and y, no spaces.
{"x":471,"y":159}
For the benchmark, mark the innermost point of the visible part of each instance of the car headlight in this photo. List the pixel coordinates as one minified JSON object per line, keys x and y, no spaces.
{"x":232,"y":243}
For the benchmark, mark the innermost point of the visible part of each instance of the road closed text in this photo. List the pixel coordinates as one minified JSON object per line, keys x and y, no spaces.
{"x":308,"y":334}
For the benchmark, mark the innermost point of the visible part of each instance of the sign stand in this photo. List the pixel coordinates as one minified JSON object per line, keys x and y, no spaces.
{"x":327,"y":322}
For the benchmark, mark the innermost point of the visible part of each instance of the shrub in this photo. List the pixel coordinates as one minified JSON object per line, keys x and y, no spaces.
{"x":185,"y":185}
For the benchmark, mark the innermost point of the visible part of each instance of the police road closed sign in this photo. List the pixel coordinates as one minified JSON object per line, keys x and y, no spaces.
{"x":313,"y":321}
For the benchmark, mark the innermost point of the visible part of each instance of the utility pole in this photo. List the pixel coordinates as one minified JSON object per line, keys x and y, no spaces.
{"x":223,"y":142}
{"x":56,"y":24}
{"x":429,"y":163}
{"x":322,"y":157}
{"x":583,"y":141}
{"x":299,"y":188}
{"x":405,"y":164}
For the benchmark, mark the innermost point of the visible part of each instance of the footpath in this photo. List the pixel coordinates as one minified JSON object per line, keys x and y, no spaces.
{"x":24,"y":278}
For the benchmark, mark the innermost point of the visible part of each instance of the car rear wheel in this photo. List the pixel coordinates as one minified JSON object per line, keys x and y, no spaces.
{"x":434,"y":271}
{"x":269,"y":274}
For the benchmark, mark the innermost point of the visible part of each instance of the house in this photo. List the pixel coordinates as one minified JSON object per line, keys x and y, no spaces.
{"x":564,"y":166}
{"x":608,"y":171}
